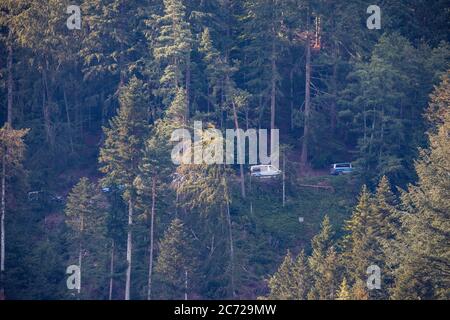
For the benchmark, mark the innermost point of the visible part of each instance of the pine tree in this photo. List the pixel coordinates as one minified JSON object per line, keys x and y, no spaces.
{"x":155,"y":171}
{"x":176,"y":262}
{"x":173,"y":49}
{"x":205,"y":189}
{"x":116,"y":221}
{"x":217,"y":71}
{"x":291,"y":281}
{"x":262,"y":24}
{"x":344,"y":291}
{"x":39,"y":28}
{"x":423,"y":250}
{"x":381,"y":126}
{"x":323,"y":264}
{"x":86,"y":222}
{"x":360,"y":245}
{"x":113,"y":42}
{"x":122,"y":152}
{"x":386,"y":219}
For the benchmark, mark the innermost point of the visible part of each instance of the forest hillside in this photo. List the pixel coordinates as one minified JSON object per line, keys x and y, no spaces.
{"x":94,"y":205}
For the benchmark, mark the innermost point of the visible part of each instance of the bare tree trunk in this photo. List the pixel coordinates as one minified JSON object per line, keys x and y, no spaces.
{"x":188,"y":85}
{"x":111,"y":270}
{"x":333,"y":111}
{"x":80,"y":261}
{"x":304,"y":155}
{"x":129,"y":249}
{"x":230,"y":235}
{"x":2,"y":251}
{"x":80,"y":252}
{"x":381,"y":134}
{"x":152,"y":223}
{"x":185,"y":285}
{"x":46,"y":106}
{"x":66,"y":104}
{"x":273,"y":88}
{"x":284,"y":179}
{"x":10,"y":82}
{"x":291,"y":82}
{"x":241,"y":166}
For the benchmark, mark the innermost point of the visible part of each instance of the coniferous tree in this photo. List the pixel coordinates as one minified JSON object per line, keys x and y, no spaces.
{"x":344,"y":291}
{"x":176,"y":262}
{"x":380,"y":123}
{"x":173,"y":50}
{"x":155,"y":172}
{"x":113,"y":42}
{"x":423,"y":249}
{"x":86,"y":222}
{"x":323,"y":264}
{"x":291,"y":281}
{"x":122,"y":151}
{"x":360,"y":245}
{"x":263,"y":20}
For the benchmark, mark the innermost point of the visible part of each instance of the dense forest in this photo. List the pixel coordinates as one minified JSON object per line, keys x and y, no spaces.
{"x":89,"y":99}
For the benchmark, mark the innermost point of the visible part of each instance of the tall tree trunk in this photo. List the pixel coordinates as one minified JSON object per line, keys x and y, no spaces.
{"x":80,"y":261}
{"x":80,"y":252}
{"x":273,"y":85}
{"x":239,"y":138}
{"x":152,"y":224}
{"x":284,"y":179}
{"x":69,"y":124}
{"x":46,"y":106}
{"x":129,"y":249}
{"x":185,"y":285}
{"x":333,"y":111}
{"x":230,"y":236}
{"x":111,"y":270}
{"x":2,"y":223}
{"x":10,"y":82}
{"x":291,"y":83}
{"x":381,"y":134}
{"x":304,"y":156}
{"x":188,"y":85}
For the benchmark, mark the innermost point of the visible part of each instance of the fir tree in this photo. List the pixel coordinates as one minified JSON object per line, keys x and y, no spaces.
{"x":291,"y":281}
{"x":344,"y":291}
{"x":323,"y":264}
{"x":173,"y":50}
{"x":122,"y":151}
{"x":176,"y":262}
{"x":360,"y":245}
{"x":86,"y":222}
{"x":423,"y":250}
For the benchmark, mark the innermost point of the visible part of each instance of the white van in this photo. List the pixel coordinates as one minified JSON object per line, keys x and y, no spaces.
{"x":264,"y":171}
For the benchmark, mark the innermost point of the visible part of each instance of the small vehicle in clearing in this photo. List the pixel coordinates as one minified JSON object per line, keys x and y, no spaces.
{"x":264,"y":171}
{"x":341,"y":168}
